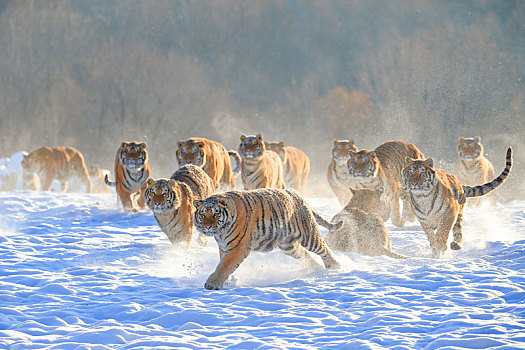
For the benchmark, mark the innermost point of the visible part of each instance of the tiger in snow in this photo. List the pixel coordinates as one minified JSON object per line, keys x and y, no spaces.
{"x":296,"y":164}
{"x":260,"y":220}
{"x":338,"y":177}
{"x":438,"y":199}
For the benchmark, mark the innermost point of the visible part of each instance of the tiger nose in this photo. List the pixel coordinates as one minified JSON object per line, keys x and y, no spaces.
{"x":357,"y":170}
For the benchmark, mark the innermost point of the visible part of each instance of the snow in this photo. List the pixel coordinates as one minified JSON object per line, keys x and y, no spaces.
{"x":78,"y":272}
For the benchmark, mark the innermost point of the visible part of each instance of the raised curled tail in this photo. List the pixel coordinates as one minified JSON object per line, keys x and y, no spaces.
{"x":109,"y":183}
{"x":326,"y":224}
{"x":235,"y":155}
{"x":480,"y":190}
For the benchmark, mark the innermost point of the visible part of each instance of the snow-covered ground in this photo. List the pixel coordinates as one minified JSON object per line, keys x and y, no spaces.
{"x":77,"y":272}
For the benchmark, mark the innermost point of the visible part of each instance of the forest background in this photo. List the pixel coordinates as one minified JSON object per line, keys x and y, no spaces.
{"x":91,"y":74}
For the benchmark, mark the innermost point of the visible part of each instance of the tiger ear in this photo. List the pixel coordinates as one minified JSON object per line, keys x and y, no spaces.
{"x":180,"y":143}
{"x":281,"y":144}
{"x":429,"y":162}
{"x":243,"y":137}
{"x":336,"y":142}
{"x":477,"y":139}
{"x":171,"y":183}
{"x":198,"y":204}
{"x":142,"y":145}
{"x":200,"y":144}
{"x":408,"y":160}
{"x":150,"y":181}
{"x":351,"y":141}
{"x":259,"y":137}
{"x":461,"y":139}
{"x":352,"y":190}
{"x":372,"y":154}
{"x":221,"y":203}
{"x":124,"y":144}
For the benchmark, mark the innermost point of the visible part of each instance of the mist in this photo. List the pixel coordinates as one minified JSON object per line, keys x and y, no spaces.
{"x":93,"y":74}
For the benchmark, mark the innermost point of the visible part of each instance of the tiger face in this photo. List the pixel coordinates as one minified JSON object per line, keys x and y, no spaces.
{"x":363,"y":164}
{"x":191,"y":152}
{"x":470,"y":148}
{"x":161,"y":197}
{"x":419,"y":175}
{"x":133,"y":156}
{"x":211,"y":215}
{"x":30,"y":164}
{"x":341,"y":150}
{"x":251,"y":147}
{"x":277,"y":147}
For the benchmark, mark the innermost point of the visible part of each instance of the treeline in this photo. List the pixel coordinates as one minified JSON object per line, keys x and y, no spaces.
{"x":91,"y":74}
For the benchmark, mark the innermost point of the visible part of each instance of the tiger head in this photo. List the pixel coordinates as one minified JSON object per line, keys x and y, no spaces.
{"x":470,"y":148}
{"x":341,"y":150}
{"x":251,"y":147}
{"x":30,"y":163}
{"x":133,"y":156}
{"x":277,"y":147}
{"x":366,"y":199}
{"x":191,"y":152}
{"x":419,"y":175}
{"x":363,"y":164}
{"x":211,"y":215}
{"x":161,"y":196}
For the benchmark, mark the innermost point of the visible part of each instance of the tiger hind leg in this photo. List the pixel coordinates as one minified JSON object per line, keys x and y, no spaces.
{"x":314,"y":243}
{"x":295,"y":250}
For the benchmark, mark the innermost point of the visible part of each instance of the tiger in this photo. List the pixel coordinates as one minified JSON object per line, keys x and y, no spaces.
{"x":171,"y":201}
{"x":438,"y":199}
{"x":131,"y":172}
{"x":97,"y":179}
{"x":58,"y":163}
{"x":296,"y":164}
{"x":259,"y":168}
{"x":259,"y":220}
{"x":363,"y":230}
{"x":473,"y":167}
{"x":338,"y":177}
{"x":381,"y":170}
{"x":212,"y":157}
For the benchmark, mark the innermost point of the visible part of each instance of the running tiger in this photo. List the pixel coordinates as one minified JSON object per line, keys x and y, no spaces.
{"x":338,"y":177}
{"x":212,"y":157}
{"x":473,"y":168}
{"x":171,"y":202}
{"x":59,"y":163}
{"x":131,"y":172}
{"x":363,"y":231}
{"x":381,"y":170}
{"x":296,"y":164}
{"x":259,"y":168}
{"x":438,"y":199}
{"x":259,"y":220}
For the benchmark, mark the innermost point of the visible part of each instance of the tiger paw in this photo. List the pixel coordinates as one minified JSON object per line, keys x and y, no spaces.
{"x":398,"y":222}
{"x":455,"y":245}
{"x":213,"y":282}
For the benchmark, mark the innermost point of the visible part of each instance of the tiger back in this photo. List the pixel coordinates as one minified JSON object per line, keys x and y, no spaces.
{"x":296,"y":164}
{"x":473,"y":167}
{"x":171,"y":201}
{"x":131,"y":172}
{"x":363,"y":231}
{"x":337,"y":175}
{"x":212,"y":157}
{"x":381,"y":170}
{"x":259,"y":220}
{"x":58,"y":163}
{"x":438,"y":199}
{"x":260,"y":168}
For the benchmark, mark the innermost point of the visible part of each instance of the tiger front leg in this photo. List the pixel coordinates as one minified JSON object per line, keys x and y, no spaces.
{"x":230,"y":261}
{"x":443,"y":232}
{"x":125,"y":198}
{"x":141,"y":200}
